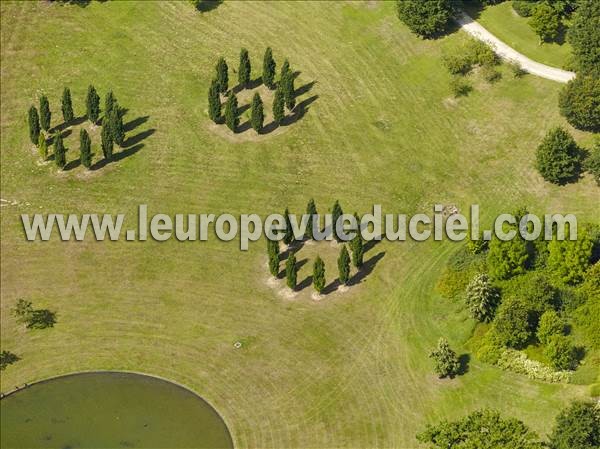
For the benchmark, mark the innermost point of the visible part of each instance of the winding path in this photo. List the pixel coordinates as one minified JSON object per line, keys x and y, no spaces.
{"x":535,"y":68}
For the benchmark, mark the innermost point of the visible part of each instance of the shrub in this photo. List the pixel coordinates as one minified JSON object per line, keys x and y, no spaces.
{"x":481,"y":53}
{"x":592,"y":163}
{"x":482,"y":298}
{"x":460,"y":87}
{"x":336,"y":213}
{"x":545,"y":21}
{"x":561,"y":353}
{"x":558,"y":158}
{"x":457,"y":64}
{"x":569,"y":260}
{"x":524,"y":8}
{"x":577,"y":427}
{"x":517,"y":362}
{"x":536,"y":291}
{"x":446,"y":361}
{"x":490,"y":74}
{"x":579,"y":103}
{"x":584,"y":36}
{"x":478,"y":246}
{"x":550,"y":325}
{"x":511,"y":324}
{"x":517,"y":70}
{"x":427,"y":19}
{"x":356,"y":245}
{"x":311,"y":211}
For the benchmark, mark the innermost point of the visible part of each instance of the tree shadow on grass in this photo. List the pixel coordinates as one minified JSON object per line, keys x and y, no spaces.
{"x":304,"y":89}
{"x":463,"y":360}
{"x":295,"y":246}
{"x":333,"y":286}
{"x":117,"y":156}
{"x":134,"y":140}
{"x":366,"y":269}
{"x":64,"y":125}
{"x":299,"y":111}
{"x":368,"y":246}
{"x":207,"y":5}
{"x":307,"y":282}
{"x":73,"y":164}
{"x":131,"y":125}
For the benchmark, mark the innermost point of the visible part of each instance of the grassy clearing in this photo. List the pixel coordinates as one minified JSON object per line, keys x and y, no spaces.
{"x":351,"y":372}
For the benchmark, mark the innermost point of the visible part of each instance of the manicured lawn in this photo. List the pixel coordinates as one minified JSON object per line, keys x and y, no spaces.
{"x":348,"y":371}
{"x":514,"y":30}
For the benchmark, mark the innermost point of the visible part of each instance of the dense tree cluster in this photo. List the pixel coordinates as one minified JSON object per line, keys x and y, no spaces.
{"x":427,"y":19}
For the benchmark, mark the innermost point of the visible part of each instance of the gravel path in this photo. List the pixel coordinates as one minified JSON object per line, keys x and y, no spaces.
{"x":506,"y":52}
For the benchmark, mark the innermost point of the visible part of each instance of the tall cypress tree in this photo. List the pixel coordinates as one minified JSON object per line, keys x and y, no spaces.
{"x":214,"y":101}
{"x":319,"y":275}
{"x":92,"y":105}
{"x":34,"y":125}
{"x":278,"y":106}
{"x":45,"y":114}
{"x":244,"y":71}
{"x":289,"y":92}
{"x":67,"y":106}
{"x":268,"y":75}
{"x":107,"y":141}
{"x":59,"y":151}
{"x":115,"y":124}
{"x":357,"y":251}
{"x":336,"y":213}
{"x":285,"y":69}
{"x":311,"y":210}
{"x":43,"y":146}
{"x":222,"y":75}
{"x":273,"y":253}
{"x":291,"y":272}
{"x":85,"y":148}
{"x":257,"y":117}
{"x":231,"y":112}
{"x":109,"y":103}
{"x":288,"y":236}
{"x":344,"y":265}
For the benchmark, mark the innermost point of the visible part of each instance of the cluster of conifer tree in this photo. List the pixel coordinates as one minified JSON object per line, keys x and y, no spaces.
{"x":113,"y":131}
{"x":344,"y":260}
{"x":284,"y":91}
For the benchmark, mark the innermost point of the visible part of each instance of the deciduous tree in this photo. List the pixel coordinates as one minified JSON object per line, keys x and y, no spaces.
{"x":427,"y":19}
{"x":577,"y":427}
{"x":545,"y":21}
{"x":558,"y":158}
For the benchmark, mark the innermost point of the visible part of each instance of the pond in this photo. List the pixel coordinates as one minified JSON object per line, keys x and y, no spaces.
{"x":109,"y":410}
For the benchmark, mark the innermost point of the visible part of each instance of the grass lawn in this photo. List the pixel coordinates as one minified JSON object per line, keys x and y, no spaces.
{"x":348,"y":371}
{"x":502,"y":21}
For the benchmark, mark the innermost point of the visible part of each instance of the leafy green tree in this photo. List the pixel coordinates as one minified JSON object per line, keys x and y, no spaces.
{"x":231,"y":112}
{"x":551,"y":324}
{"x":106,"y":142}
{"x":569,"y":260}
{"x":291,"y":271}
{"x":278,"y":106}
{"x":257,"y":116}
{"x":85,"y":148}
{"x":244,"y":71}
{"x":524,"y":8}
{"x":584,"y":37}
{"x":115,"y":124}
{"x":336,"y":213}
{"x":59,"y":151}
{"x":482,"y":429}
{"x":92,"y":105}
{"x":344,"y":265}
{"x":545,"y":21}
{"x":427,"y":19}
{"x":319,"y":275}
{"x":311,"y":211}
{"x":592,"y":163}
{"x":268,"y":74}
{"x":273,"y":252}
{"x":34,"y":125}
{"x":222,"y":75}
{"x":446,"y":360}
{"x":577,"y":427}
{"x":482,"y":298}
{"x":512,"y":323}
{"x":67,"y":105}
{"x":507,"y":258}
{"x":356,"y":245}
{"x":558,"y":157}
{"x":214,"y":101}
{"x":579,"y":103}
{"x":288,"y":236}
{"x":43,"y":147}
{"x":45,"y":114}
{"x":561,"y":353}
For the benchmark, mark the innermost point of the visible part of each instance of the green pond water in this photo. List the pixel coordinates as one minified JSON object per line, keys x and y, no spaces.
{"x":109,"y":410}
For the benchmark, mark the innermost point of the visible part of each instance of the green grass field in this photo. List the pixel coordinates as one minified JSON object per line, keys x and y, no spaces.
{"x":348,"y":371}
{"x":514,"y":30}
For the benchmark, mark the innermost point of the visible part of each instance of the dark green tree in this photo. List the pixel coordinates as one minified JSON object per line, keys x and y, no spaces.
{"x":92,"y":105}
{"x":311,"y":211}
{"x":222,"y":75}
{"x":291,"y":272}
{"x":106,"y":142}
{"x":336,"y":213}
{"x":289,"y":92}
{"x":288,"y":236}
{"x":257,"y":116}
{"x":506,"y":259}
{"x":285,"y":70}
{"x":561,"y":353}
{"x":592,"y":163}
{"x":110,"y":103}
{"x":356,"y":245}
{"x":214,"y":102}
{"x":43,"y":147}
{"x":7,"y":358}
{"x":512,"y":323}
{"x":278,"y":106}
{"x":558,"y":158}
{"x":577,"y":427}
{"x":45,"y":114}
{"x":244,"y":71}
{"x":482,"y":298}
{"x":34,"y":125}
{"x":579,"y":102}
{"x":545,"y":21}
{"x":584,"y":37}
{"x":231,"y":112}
{"x":427,"y":19}
{"x":344,"y":265}
{"x":319,"y":275}
{"x":115,"y":124}
{"x":85,"y":149}
{"x":67,"y":106}
{"x":446,"y":360}
{"x":273,"y":253}
{"x":59,"y":151}
{"x":268,"y":74}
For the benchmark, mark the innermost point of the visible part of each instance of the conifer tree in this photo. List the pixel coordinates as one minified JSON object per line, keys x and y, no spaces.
{"x":92,"y":105}
{"x":257,"y":116}
{"x":291,"y":272}
{"x":222,"y":75}
{"x":67,"y":105}
{"x":34,"y":125}
{"x":344,"y":265}
{"x":273,"y":252}
{"x":288,"y":236}
{"x":43,"y":146}
{"x":357,"y":251}
{"x":278,"y":106}
{"x":268,"y":75}
{"x":115,"y":124}
{"x":244,"y":71}
{"x":285,"y":69}
{"x":231,"y":112}
{"x":59,"y":151}
{"x":319,"y":275}
{"x":107,"y":142}
{"x":289,"y":92}
{"x":85,"y":149}
{"x":446,"y":360}
{"x":311,"y":210}
{"x":45,"y":114}
{"x":214,"y":101}
{"x":336,"y":213}
{"x":109,"y":103}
